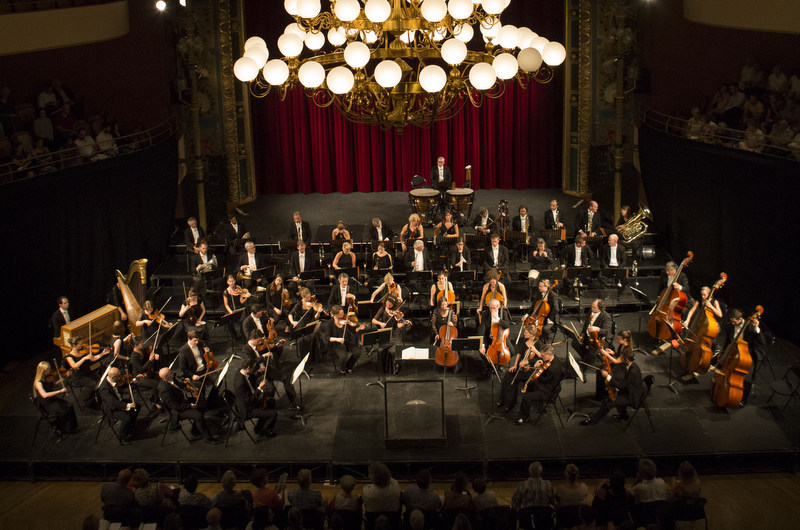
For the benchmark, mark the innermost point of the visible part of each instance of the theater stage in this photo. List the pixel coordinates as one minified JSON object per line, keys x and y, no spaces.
{"x":344,"y":423}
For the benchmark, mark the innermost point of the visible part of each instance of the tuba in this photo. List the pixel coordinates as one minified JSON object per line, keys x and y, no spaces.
{"x":635,"y":227}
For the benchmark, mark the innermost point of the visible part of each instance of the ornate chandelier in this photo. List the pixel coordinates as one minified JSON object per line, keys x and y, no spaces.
{"x":399,"y":62}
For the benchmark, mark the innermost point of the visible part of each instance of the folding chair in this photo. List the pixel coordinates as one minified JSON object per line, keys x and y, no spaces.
{"x":554,"y":399}
{"x":234,"y":419}
{"x":648,"y":383}
{"x":175,"y":419}
{"x":788,"y":385}
{"x":106,"y":420}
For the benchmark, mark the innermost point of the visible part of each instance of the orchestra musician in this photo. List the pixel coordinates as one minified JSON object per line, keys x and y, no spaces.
{"x":418,"y":259}
{"x":388,"y":287}
{"x":248,"y":403}
{"x":120,"y":347}
{"x":482,"y":221}
{"x":751,"y":335}
{"x":299,"y":230}
{"x":193,"y":234}
{"x":459,"y":257}
{"x":541,"y":257}
{"x":345,"y":259}
{"x":441,"y":177}
{"x":340,"y":233}
{"x":279,"y":302}
{"x":114,"y":406}
{"x":411,"y":231}
{"x":493,"y":314}
{"x":150,"y":321}
{"x":233,"y":231}
{"x":577,"y":254}
{"x":447,"y":229}
{"x":552,"y":217}
{"x":519,"y":370}
{"x":540,"y":390}
{"x":256,"y":320}
{"x":588,"y":223}
{"x":624,"y":217}
{"x":305,"y":311}
{"x":444,"y":315}
{"x":233,"y":299}
{"x":597,"y":321}
{"x":192,"y":312}
{"x":613,"y":255}
{"x":670,"y":278}
{"x":301,"y":260}
{"x":700,"y":305}
{"x":269,"y":358}
{"x":190,"y":362}
{"x":249,"y":263}
{"x":552,"y":315}
{"x":200,"y":262}
{"x":173,"y":398}
{"x":629,"y":390}
{"x":492,"y":289}
{"x":61,"y":316}
{"x":48,"y":392}
{"x":142,"y":365}
{"x":521,"y":222}
{"x":497,"y":256}
{"x":339,"y":336}
{"x":380,"y":231}
{"x":616,"y":360}
{"x":388,"y":316}
{"x":382,"y":260}
{"x":342,"y":293}
{"x":80,"y":361}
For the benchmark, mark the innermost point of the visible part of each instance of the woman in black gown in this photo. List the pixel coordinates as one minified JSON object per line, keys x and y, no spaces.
{"x":48,"y":392}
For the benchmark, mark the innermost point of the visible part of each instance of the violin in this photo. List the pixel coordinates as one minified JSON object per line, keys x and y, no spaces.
{"x":537,"y":372}
{"x":351,"y":312}
{"x":703,"y":329}
{"x":94,"y":349}
{"x":156,"y":316}
{"x":498,"y":352}
{"x":193,"y":390}
{"x":727,"y":388}
{"x":665,"y":317}
{"x":445,"y":356}
{"x":598,"y":343}
{"x":286,"y":299}
{"x":240,"y":291}
{"x":210,"y":361}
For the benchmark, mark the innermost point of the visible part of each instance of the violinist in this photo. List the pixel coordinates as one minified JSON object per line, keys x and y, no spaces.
{"x":497,"y":256}
{"x":411,"y":231}
{"x":418,"y":259}
{"x":151,"y":320}
{"x":493,"y":289}
{"x":80,"y":360}
{"x":597,"y":321}
{"x":193,"y":234}
{"x":279,"y":302}
{"x":233,"y":299}
{"x":340,"y":233}
{"x":111,"y":393}
{"x":545,"y":295}
{"x":493,"y":314}
{"x":701,"y":305}
{"x":61,"y":316}
{"x":382,"y":260}
{"x":548,"y":371}
{"x":306,"y":310}
{"x":302,"y":260}
{"x":269,"y":358}
{"x":191,"y":362}
{"x":444,"y":287}
{"x":519,"y":371}
{"x":389,"y":316}
{"x":142,"y":364}
{"x":257,"y":320}
{"x":344,"y":259}
{"x":482,"y":222}
{"x":388,"y":288}
{"x":447,"y":229}
{"x":172,"y":397}
{"x":670,"y":278}
{"x":459,"y":257}
{"x":249,"y":263}
{"x":751,"y":335}
{"x":342,"y":294}
{"x":248,"y":387}
{"x":192,"y":311}
{"x":339,"y":336}
{"x":48,"y":391}
{"x":629,"y":390}
{"x":120,"y":346}
{"x":380,"y":231}
{"x":616,"y":360}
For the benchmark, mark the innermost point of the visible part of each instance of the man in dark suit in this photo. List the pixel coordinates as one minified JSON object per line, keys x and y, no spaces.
{"x":459,"y":257}
{"x":671,"y":278}
{"x":481,"y":221}
{"x":248,"y":403}
{"x":299,"y":230}
{"x":541,"y":389}
{"x":193,"y":234}
{"x":441,"y":177}
{"x":613,"y":255}
{"x":190,"y":363}
{"x":629,"y":391}
{"x":117,"y":499}
{"x":251,"y":261}
{"x":597,"y":321}
{"x":341,"y":292}
{"x":61,"y":316}
{"x":522,"y":222}
{"x":552,"y":217}
{"x":551,"y":315}
{"x":493,"y":314}
{"x":115,"y":407}
{"x":232,"y":231}
{"x":199,"y":262}
{"x":380,"y":231}
{"x":588,"y":223}
{"x":576,"y":255}
{"x":172,"y":397}
{"x":418,"y":259}
{"x":270,"y":359}
{"x":496,"y":256}
{"x":256,"y":320}
{"x":301,"y":260}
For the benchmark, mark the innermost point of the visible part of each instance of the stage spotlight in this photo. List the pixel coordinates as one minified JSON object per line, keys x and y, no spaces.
{"x":161,"y":5}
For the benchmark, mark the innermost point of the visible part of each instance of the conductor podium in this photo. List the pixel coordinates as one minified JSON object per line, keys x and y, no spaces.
{"x":414,"y":413}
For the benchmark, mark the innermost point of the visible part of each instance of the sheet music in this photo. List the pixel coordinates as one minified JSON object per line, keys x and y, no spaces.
{"x":574,"y":364}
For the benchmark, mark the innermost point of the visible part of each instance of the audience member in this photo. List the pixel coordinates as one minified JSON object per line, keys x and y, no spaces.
{"x":611,"y":500}
{"x":229,"y":496}
{"x":753,"y":110}
{"x":64,"y":121}
{"x":461,"y":522}
{"x":8,"y":111}
{"x":779,"y":138}
{"x":647,"y":487}
{"x":263,"y":496}
{"x":483,"y":499}
{"x":383,"y":494}
{"x":87,"y":147}
{"x":345,"y":500}
{"x":304,"y":498}
{"x":214,"y":519}
{"x":189,"y":496}
{"x":149,"y":493}
{"x":458,"y":497}
{"x":416,"y":520}
{"x":533,"y":491}
{"x":48,"y":100}
{"x":753,"y":138}
{"x":571,"y":493}
{"x":42,"y":159}
{"x":91,"y":522}
{"x":687,"y":484}
{"x":105,"y":141}
{"x":777,"y":81}
{"x":43,"y":128}
{"x":418,"y":496}
{"x":117,"y":498}
{"x":295,"y":517}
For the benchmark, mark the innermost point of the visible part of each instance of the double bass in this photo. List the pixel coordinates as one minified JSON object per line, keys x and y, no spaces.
{"x":665,"y":317}
{"x":445,"y":356}
{"x":727,"y":388}
{"x":703,"y":329}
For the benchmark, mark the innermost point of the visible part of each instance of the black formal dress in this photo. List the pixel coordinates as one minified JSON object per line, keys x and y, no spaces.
{"x":60,"y":413}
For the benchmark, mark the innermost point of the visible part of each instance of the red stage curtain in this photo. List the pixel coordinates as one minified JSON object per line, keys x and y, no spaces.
{"x":513,"y":142}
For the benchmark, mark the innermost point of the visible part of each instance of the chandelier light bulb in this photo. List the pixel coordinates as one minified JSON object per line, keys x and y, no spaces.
{"x":308,"y":8}
{"x":526,"y":36}
{"x":432,"y":78}
{"x":337,"y":36}
{"x":377,"y":11}
{"x":356,"y":54}
{"x":314,"y":41}
{"x":340,"y":80}
{"x":258,"y":54}
{"x":508,"y":37}
{"x":276,"y":72}
{"x":493,"y":7}
{"x":433,"y":10}
{"x":388,"y":73}
{"x":491,"y":31}
{"x":482,"y":76}
{"x":460,"y":9}
{"x":464,"y":32}
{"x":505,"y":66}
{"x":245,"y":69}
{"x":454,"y":51}
{"x":254,"y":41}
{"x":290,"y":6}
{"x":347,"y":10}
{"x":311,"y":74}
{"x":539,"y":43}
{"x":554,"y":53}
{"x":295,"y":29}
{"x":290,"y":44}
{"x":530,"y":60}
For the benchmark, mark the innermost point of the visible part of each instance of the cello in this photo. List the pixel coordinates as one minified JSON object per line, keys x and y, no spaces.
{"x":727,"y":388}
{"x":599,"y":343}
{"x":665,"y":317}
{"x":445,"y":356}
{"x":703,"y":329}
{"x":539,"y":314}
{"x":498,"y":352}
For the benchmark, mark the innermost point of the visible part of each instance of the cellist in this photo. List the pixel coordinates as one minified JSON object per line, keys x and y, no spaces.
{"x":445,"y":316}
{"x":669,"y":278}
{"x":494,"y":314}
{"x":444,"y":286}
{"x":493,"y":289}
{"x":545,"y":294}
{"x":751,"y":335}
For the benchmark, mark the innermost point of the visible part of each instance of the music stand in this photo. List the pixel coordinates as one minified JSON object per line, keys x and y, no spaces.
{"x":224,"y":371}
{"x":576,"y":275}
{"x":296,"y":334}
{"x":230,"y":317}
{"x":312,"y":275}
{"x":459,"y":345}
{"x":299,"y":370}
{"x":578,"y":375}
{"x":376,"y":339}
{"x":674,"y":343}
{"x":420,"y":278}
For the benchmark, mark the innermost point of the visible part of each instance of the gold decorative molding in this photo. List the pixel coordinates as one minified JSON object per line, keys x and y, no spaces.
{"x":578,"y":97}
{"x":228,"y":98}
{"x":585,"y":93}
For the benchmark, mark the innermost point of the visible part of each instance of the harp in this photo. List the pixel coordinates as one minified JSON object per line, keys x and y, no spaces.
{"x":134,"y":289}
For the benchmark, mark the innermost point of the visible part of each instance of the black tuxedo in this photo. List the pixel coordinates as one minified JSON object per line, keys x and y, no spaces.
{"x":516,"y":224}
{"x":174,"y":399}
{"x":304,"y":227}
{"x":185,"y":363}
{"x":754,"y":342}
{"x":249,"y":324}
{"x":605,"y":256}
{"x":476,"y":221}
{"x":411,"y":255}
{"x":550,"y":221}
{"x":246,"y":393}
{"x":540,"y":390}
{"x":454,"y":257}
{"x":261,"y":260}
{"x":334,"y":298}
{"x":568,"y":256}
{"x":604,"y":322}
{"x":485,"y":327}
{"x":682,"y":280}
{"x":57,"y":320}
{"x":502,"y":257}
{"x":115,"y":407}
{"x":195,"y":260}
{"x":188,"y":237}
{"x":582,"y":220}
{"x":629,"y":392}
{"x":294,"y":263}
{"x":386,"y":229}
{"x":446,"y":173}
{"x":230,"y":234}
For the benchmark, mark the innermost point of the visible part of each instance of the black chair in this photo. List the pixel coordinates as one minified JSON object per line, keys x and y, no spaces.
{"x":689,"y":509}
{"x":193,"y":517}
{"x":106,"y":420}
{"x":154,"y":513}
{"x":788,"y":386}
{"x":42,"y":418}
{"x":418,"y":181}
{"x":313,"y":519}
{"x":645,"y":513}
{"x":353,"y":520}
{"x":648,"y":383}
{"x":371,"y":517}
{"x":234,"y":516}
{"x":449,"y":516}
{"x":538,"y":517}
{"x":554,"y":400}
{"x":497,"y":518}
{"x":568,"y":516}
{"x":234,"y":419}
{"x":174,"y":419}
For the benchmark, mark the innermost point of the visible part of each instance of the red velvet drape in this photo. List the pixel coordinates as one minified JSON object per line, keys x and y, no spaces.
{"x":513,"y":142}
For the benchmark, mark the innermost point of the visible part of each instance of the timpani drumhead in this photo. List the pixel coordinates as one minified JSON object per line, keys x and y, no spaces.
{"x":424,"y":192}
